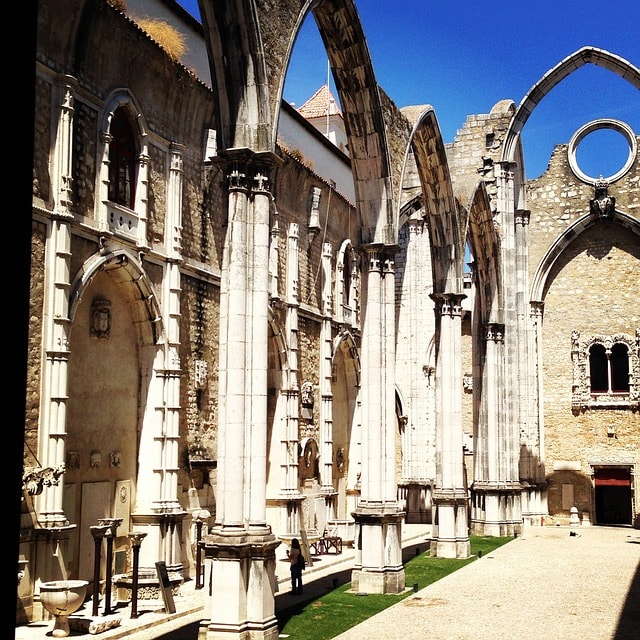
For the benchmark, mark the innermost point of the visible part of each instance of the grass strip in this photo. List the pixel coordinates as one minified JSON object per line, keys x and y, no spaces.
{"x":340,"y":609}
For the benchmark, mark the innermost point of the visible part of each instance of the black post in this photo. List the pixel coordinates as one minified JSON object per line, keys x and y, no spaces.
{"x":136,"y":541}
{"x":198,"y":554}
{"x":200,"y":516}
{"x":98,"y":533}
{"x":112,"y":524}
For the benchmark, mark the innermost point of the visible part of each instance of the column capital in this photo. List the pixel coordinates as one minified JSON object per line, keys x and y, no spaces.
{"x":247,"y":170}
{"x":449,"y":304}
{"x":494,"y":332}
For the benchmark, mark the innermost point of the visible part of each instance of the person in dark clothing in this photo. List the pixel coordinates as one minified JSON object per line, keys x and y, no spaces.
{"x":296,"y":567}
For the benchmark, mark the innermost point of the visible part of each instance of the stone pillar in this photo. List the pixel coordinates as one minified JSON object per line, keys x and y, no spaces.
{"x":451,"y":527}
{"x":491,"y":461}
{"x":56,"y":324}
{"x":158,"y":511}
{"x":290,"y":439}
{"x":293,"y":392}
{"x":512,"y":219}
{"x":326,"y":394}
{"x":378,"y":565}
{"x":241,"y":547}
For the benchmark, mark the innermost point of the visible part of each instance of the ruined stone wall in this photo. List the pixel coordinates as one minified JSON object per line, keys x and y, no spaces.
{"x":477,"y":146}
{"x":557,"y":199}
{"x":34,"y":346}
{"x":338,"y":221}
{"x":593,"y":289}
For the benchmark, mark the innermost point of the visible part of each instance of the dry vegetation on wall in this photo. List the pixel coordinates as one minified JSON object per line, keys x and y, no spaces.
{"x":120,"y":5}
{"x":168,"y":37}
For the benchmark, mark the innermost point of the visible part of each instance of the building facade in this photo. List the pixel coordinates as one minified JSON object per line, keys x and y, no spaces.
{"x":223,"y":339}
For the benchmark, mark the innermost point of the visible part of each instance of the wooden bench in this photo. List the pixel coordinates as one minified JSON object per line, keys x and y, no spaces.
{"x":326,"y":545}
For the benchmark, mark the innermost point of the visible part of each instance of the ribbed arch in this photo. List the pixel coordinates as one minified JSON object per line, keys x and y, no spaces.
{"x":249,"y":84}
{"x":583,"y":56}
{"x":239,"y":77}
{"x":446,"y":234}
{"x":123,"y":267}
{"x":485,"y":246}
{"x":539,"y":283}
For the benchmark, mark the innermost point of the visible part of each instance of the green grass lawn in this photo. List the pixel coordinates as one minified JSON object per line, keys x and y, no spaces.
{"x":339,"y":609}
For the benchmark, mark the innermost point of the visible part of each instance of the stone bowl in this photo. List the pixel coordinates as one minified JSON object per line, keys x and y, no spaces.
{"x":61,"y":598}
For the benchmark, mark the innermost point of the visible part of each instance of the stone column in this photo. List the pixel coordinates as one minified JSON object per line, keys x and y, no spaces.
{"x":158,"y":509}
{"x":515,"y":315}
{"x":378,"y":565}
{"x":241,"y":546}
{"x":293,"y":392}
{"x":490,"y":472}
{"x":326,"y":395}
{"x":53,"y":428}
{"x":451,"y":527}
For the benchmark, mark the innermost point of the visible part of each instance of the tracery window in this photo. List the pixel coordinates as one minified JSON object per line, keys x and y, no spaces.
{"x":123,"y":178}
{"x":606,"y":371}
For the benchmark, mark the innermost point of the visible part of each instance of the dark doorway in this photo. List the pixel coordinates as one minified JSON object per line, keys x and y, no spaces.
{"x":613,"y":495}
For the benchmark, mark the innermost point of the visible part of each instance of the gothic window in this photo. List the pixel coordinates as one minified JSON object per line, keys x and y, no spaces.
{"x":609,"y":371}
{"x":347,"y":276}
{"x":122,"y":160}
{"x":606,"y":371}
{"x":619,"y":363}
{"x":347,"y":285}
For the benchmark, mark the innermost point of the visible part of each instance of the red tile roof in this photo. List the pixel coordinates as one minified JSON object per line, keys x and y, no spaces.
{"x":319,"y":103}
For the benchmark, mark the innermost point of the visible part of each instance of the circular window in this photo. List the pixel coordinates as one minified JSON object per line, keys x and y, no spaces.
{"x":603,"y":139}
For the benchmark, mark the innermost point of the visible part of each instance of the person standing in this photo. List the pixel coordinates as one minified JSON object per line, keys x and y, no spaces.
{"x":296,"y":565}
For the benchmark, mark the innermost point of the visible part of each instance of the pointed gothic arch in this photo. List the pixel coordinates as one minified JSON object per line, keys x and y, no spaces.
{"x":585,"y":55}
{"x":249,"y":90}
{"x":485,"y":246}
{"x":540,"y":279}
{"x":125,"y":268}
{"x":444,"y":225}
{"x":125,"y":219}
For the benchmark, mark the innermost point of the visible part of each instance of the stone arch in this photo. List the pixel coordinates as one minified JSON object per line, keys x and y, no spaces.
{"x":278,"y":351}
{"x":116,"y":335}
{"x":127,"y":271}
{"x":347,"y":285}
{"x":401,"y":409}
{"x":554,"y":76}
{"x":446,"y":234}
{"x":485,"y":246}
{"x":346,"y":428}
{"x":249,"y":87}
{"x":346,"y":342}
{"x":279,"y":381}
{"x":540,"y":279}
{"x":119,"y":219}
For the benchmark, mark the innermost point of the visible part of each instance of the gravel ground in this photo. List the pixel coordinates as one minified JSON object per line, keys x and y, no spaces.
{"x":547,"y":583}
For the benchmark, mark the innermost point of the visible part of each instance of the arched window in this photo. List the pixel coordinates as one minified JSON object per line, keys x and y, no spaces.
{"x":598,"y":369}
{"x":347,"y":285}
{"x":346,"y":274}
{"x":605,"y":370}
{"x":620,"y":368}
{"x":609,"y":372}
{"x":123,"y":154}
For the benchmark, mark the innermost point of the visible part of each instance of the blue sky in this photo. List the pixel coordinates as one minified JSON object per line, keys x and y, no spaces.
{"x":463,"y":56}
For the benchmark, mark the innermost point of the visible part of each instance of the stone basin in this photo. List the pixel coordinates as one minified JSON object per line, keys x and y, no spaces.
{"x":61,"y":598}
